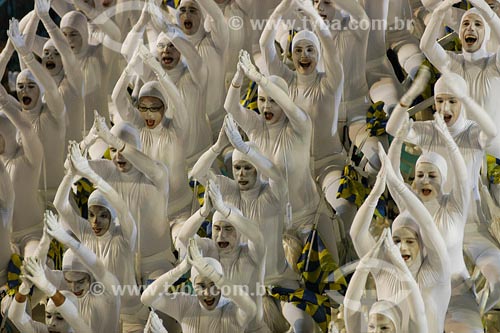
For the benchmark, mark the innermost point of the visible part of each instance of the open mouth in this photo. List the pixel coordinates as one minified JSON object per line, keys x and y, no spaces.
{"x":26,"y":100}
{"x":323,"y":16}
{"x":188,"y":24}
{"x":50,"y":65}
{"x":150,"y":123}
{"x":426,"y":192}
{"x":121,"y":164}
{"x":243,"y":182}
{"x":447,"y":118}
{"x":406,"y":257}
{"x":97,"y":230}
{"x":223,"y":245}
{"x":470,"y":39}
{"x":268,"y":115}
{"x":167,"y":60}
{"x":209,"y":301}
{"x":78,"y":293}
{"x":305,"y":63}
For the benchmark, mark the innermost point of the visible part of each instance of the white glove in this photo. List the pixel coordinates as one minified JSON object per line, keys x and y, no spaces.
{"x":154,"y":324}
{"x":234,"y":135}
{"x":418,"y":86}
{"x":42,"y":7}
{"x":249,"y":68}
{"x":103,"y":132}
{"x":15,"y":35}
{"x":55,"y":229}
{"x":195,"y":258}
{"x":35,"y":273}
{"x":79,"y":163}
{"x":217,"y":201}
{"x":26,"y":284}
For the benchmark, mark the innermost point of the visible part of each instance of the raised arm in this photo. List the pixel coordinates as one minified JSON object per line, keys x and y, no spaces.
{"x":247,"y":228}
{"x":491,"y":19}
{"x":87,"y":257}
{"x":180,"y":118}
{"x":333,"y":66}
{"x":70,"y":64}
{"x":32,"y":145}
{"x":202,"y":171}
{"x":353,"y":307}
{"x":428,"y":44}
{"x":298,"y":118}
{"x":105,"y":23}
{"x":196,"y":66}
{"x":461,"y":184}
{"x":219,"y":27}
{"x":356,"y":11}
{"x":274,"y":63}
{"x":133,"y":38}
{"x":127,"y":223}
{"x":61,"y":200}
{"x":52,"y":96}
{"x":432,"y":240}
{"x":247,"y":309}
{"x":262,"y":163}
{"x":246,"y":119}
{"x":400,"y":117}
{"x":154,"y":295}
{"x":360,"y":229}
{"x":193,"y":223}
{"x":474,"y":111}
{"x":154,"y":170}
{"x":414,"y":299}
{"x":121,"y":97}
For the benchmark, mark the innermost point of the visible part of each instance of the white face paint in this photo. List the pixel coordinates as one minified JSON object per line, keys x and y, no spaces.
{"x":378,"y":323}
{"x":269,"y":109}
{"x":74,"y":39}
{"x":305,"y":57}
{"x":152,"y":110}
{"x":472,"y":31}
{"x":55,"y":321}
{"x":225,"y":235}
{"x":428,"y":181}
{"x":78,"y":282}
{"x":28,"y":93}
{"x":245,"y":174}
{"x":189,"y":18}
{"x":51,"y":60}
{"x":449,"y":107}
{"x":167,"y":54}
{"x":119,"y":160}
{"x":406,"y":240}
{"x":325,"y":9}
{"x":99,"y":219}
{"x":207,"y":292}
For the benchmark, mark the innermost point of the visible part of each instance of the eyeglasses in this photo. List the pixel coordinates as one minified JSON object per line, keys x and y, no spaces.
{"x":168,"y":46}
{"x":143,"y":108}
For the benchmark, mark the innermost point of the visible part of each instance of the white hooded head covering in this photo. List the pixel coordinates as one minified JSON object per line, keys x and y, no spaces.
{"x":201,"y":33}
{"x":59,"y":76}
{"x":97,"y":198}
{"x":9,"y":133}
{"x":437,"y":160}
{"x":405,"y":220}
{"x":128,"y":133}
{"x":27,"y":76}
{"x":389,"y":310}
{"x":482,"y":52}
{"x":176,"y":72}
{"x":212,"y":262}
{"x":77,"y":21}
{"x":442,"y":87}
{"x":239,"y":156}
{"x":311,"y":37}
{"x":154,"y":89}
{"x":71,"y":263}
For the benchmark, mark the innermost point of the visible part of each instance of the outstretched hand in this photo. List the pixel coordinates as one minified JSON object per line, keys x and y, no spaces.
{"x":248,"y":67}
{"x":234,"y":136}
{"x":14,"y":34}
